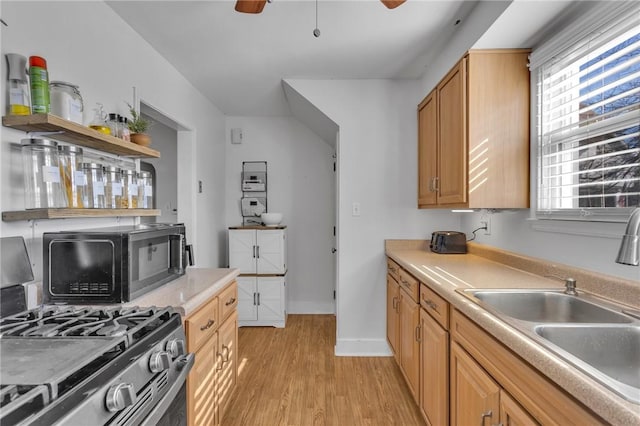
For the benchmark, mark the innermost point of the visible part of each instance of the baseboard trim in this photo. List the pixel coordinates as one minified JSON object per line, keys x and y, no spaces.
{"x":312,"y":308}
{"x":362,"y":347}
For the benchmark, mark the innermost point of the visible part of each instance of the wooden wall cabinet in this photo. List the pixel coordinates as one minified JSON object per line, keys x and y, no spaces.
{"x":473,"y":134}
{"x":212,"y":334}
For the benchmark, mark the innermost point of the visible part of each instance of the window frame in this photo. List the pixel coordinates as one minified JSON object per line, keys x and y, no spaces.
{"x":578,"y":29}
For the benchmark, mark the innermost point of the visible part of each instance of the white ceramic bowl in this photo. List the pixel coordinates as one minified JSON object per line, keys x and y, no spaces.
{"x":271,"y":219}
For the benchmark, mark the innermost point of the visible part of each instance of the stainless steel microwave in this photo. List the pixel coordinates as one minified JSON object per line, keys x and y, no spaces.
{"x":112,"y":265}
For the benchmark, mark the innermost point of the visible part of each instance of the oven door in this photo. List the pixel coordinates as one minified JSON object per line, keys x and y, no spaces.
{"x":171,"y":410}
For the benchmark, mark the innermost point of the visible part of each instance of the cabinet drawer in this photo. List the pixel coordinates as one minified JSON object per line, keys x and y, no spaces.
{"x":409,"y":284}
{"x":393,"y":269}
{"x":435,"y":305}
{"x":202,"y":324}
{"x":228,"y":300}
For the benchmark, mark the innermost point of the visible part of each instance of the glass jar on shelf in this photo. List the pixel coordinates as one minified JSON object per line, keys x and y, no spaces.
{"x":73,"y":179}
{"x":113,"y":187}
{"x":95,"y":185}
{"x":145,"y":190}
{"x":43,"y":184}
{"x":129,"y":189}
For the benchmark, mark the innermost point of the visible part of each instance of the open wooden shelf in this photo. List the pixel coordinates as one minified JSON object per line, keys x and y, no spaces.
{"x":75,"y":213}
{"x":77,"y":134}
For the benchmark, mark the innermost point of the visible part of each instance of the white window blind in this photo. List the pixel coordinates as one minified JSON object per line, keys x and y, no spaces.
{"x":588,"y":99}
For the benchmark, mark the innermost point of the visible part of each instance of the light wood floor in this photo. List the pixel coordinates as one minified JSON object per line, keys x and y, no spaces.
{"x":291,"y":377}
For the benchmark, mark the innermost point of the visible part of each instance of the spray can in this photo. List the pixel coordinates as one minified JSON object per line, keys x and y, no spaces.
{"x":39,"y":85}
{"x":19,"y":99}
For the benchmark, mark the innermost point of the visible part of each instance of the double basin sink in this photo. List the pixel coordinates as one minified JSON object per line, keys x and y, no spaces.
{"x":598,"y":337}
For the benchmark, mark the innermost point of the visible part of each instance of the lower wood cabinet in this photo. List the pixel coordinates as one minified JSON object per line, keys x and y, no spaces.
{"x":434,"y":371}
{"x":459,"y":374}
{"x":212,"y":334}
{"x":487,"y":376}
{"x":393,"y":316}
{"x":202,"y":408}
{"x":228,"y":370}
{"x":409,"y":342}
{"x":477,"y":399}
{"x":403,"y":324}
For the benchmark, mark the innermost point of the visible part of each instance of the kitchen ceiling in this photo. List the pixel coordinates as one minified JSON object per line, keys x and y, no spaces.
{"x":238,"y":60}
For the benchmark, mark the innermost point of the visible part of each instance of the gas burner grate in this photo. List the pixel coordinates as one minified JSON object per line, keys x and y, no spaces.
{"x":55,"y":321}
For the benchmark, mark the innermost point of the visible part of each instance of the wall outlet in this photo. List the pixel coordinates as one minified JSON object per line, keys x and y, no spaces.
{"x":355,"y":209}
{"x":486,"y":222}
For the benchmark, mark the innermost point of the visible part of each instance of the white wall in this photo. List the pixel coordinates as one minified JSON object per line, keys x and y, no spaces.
{"x":378,"y":169}
{"x":301,"y":186}
{"x":106,"y":58}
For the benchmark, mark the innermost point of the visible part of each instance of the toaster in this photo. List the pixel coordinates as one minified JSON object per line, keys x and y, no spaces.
{"x":448,"y":242}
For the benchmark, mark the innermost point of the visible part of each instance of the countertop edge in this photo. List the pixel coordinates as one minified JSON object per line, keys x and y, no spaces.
{"x":583,"y":388}
{"x":189,"y":292}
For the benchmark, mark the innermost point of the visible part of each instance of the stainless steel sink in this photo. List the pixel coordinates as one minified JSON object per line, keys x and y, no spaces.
{"x":594,"y":335}
{"x":612,"y":350}
{"x":547,"y":306}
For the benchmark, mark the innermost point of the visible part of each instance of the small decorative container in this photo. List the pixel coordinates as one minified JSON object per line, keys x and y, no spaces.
{"x":145,"y":190}
{"x":129,"y":189}
{"x":43,"y":184}
{"x":95,"y":185}
{"x":73,"y":178}
{"x":113,"y":187}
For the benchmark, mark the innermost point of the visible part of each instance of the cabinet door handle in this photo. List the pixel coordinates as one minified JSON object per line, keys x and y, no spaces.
{"x":430,"y":303}
{"x":220,"y":360}
{"x":254,"y":252}
{"x":254,"y":299}
{"x":258,"y":299}
{"x":393,"y":302}
{"x":485,"y":415}
{"x":230,"y":302}
{"x":207,"y":325}
{"x":258,"y":252}
{"x":226,"y":357}
{"x":418,"y":338}
{"x":436,"y":184}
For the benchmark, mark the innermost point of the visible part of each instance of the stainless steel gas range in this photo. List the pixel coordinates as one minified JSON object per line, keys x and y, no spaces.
{"x":80,"y":366}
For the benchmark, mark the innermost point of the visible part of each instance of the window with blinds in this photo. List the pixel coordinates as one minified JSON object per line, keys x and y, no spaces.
{"x":588,"y":96}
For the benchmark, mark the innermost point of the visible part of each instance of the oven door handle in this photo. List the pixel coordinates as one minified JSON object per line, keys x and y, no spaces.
{"x":185,"y":364}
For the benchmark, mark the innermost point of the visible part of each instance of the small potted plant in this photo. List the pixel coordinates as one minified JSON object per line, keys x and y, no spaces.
{"x":138,"y":126}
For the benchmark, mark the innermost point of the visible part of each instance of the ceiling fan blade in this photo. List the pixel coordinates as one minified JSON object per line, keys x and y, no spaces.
{"x":250,"y":6}
{"x":392,"y":4}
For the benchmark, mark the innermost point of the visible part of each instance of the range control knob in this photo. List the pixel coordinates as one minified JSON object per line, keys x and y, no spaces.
{"x":175,"y":347}
{"x":120,"y":396}
{"x":159,"y":361}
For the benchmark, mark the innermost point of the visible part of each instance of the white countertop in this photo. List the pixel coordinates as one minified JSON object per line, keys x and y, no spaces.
{"x":187,"y":293}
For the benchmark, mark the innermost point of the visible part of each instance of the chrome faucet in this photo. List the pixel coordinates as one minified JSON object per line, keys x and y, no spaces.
{"x":570,"y":287}
{"x":629,"y":253}
{"x":569,"y":284}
